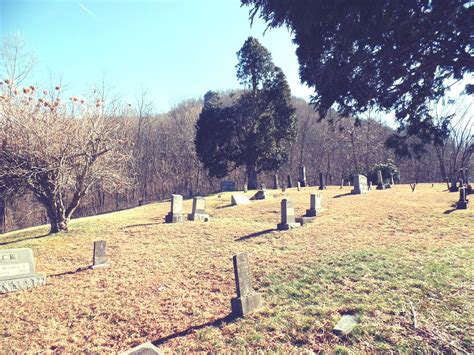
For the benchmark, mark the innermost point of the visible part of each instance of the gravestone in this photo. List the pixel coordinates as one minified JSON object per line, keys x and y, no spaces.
{"x":199,"y":210}
{"x":227,"y":185}
{"x":462,"y":203}
{"x":263,"y":187}
{"x":275,"y":181}
{"x":287,"y":216}
{"x":239,"y":200}
{"x":247,"y":299}
{"x":360,"y":185}
{"x":99,"y":258}
{"x":283,"y":188}
{"x":144,"y":349}
{"x":392,"y":182}
{"x":260,"y":195}
{"x":314,"y":205}
{"x":342,"y":183}
{"x":369,"y":186}
{"x":302,"y":176}
{"x":322,"y":182}
{"x":17,"y":270}
{"x":454,"y":186}
{"x":176,"y":213}
{"x":246,"y":188}
{"x":298,"y":186}
{"x":380,"y":185}
{"x":290,"y":183}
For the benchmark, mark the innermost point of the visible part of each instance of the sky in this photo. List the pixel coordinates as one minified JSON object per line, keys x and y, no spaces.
{"x":175,"y":49}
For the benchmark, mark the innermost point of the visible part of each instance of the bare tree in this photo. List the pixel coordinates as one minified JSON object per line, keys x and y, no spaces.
{"x":58,"y":151}
{"x":16,"y":62}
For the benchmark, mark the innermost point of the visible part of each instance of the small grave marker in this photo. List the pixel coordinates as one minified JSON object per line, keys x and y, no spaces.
{"x":380,"y":185}
{"x":290,"y":183}
{"x":239,"y":200}
{"x":302,"y":176}
{"x":247,"y":299}
{"x":260,"y":195}
{"x":346,"y":324}
{"x":17,"y":270}
{"x":322,"y":182}
{"x":463,"y":202}
{"x":246,"y":188}
{"x":287,"y":216}
{"x":298,"y":186}
{"x":99,"y":259}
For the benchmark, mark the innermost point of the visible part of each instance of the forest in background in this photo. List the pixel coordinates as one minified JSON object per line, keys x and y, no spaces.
{"x":165,"y":159}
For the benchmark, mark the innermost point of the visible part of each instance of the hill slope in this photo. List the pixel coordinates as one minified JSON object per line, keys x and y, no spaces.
{"x":387,"y":255}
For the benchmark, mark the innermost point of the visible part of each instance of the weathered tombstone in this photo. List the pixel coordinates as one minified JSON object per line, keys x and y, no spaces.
{"x":283,"y":188}
{"x":392,"y":182}
{"x":342,"y":183}
{"x":346,"y":324}
{"x":287,"y":216}
{"x":247,"y":299}
{"x":239,"y":200}
{"x":275,"y":182}
{"x":322,"y":182}
{"x":380,"y":185}
{"x":246,"y":188}
{"x":199,"y":210}
{"x":144,"y":349}
{"x":302,"y":176}
{"x":369,"y":187}
{"x":462,"y":203}
{"x":176,"y":213}
{"x":454,"y":186}
{"x":260,"y":195}
{"x":360,"y":185}
{"x":227,"y":185}
{"x":314,"y":205}
{"x":298,"y":186}
{"x":99,"y":258}
{"x":17,"y":270}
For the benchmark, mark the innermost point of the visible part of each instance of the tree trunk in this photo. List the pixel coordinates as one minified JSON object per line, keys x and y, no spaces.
{"x":251,"y":177}
{"x":57,"y":220}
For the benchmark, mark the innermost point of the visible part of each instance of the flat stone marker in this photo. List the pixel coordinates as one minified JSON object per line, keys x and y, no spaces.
{"x":199,"y":210}
{"x":17,"y":270}
{"x":287,"y":216}
{"x":380,"y":185}
{"x":176,"y":213}
{"x":99,"y":259}
{"x":346,"y":324}
{"x":239,"y":200}
{"x":247,"y":299}
{"x":144,"y":349}
{"x":360,"y":185}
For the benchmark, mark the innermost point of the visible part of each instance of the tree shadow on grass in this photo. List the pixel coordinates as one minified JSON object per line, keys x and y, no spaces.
{"x":256,"y":234}
{"x":140,"y":225}
{"x":342,"y":195}
{"x":215,"y":323}
{"x":72,"y":272}
{"x":22,"y":240}
{"x":225,"y":206}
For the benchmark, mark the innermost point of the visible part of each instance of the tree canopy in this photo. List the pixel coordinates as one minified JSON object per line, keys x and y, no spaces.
{"x":255,"y":129}
{"x":397,"y":56}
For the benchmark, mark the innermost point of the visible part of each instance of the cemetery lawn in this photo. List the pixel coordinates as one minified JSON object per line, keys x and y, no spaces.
{"x":403,"y":261}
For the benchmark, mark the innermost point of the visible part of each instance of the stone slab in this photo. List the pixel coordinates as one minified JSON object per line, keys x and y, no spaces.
{"x":304,"y":220}
{"x":144,"y":349}
{"x":346,"y":324}
{"x":174,"y":218}
{"x":22,"y":283}
{"x":239,"y":200}
{"x":242,"y":306}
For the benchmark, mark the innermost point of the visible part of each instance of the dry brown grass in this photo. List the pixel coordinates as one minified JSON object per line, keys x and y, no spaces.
{"x":172,"y":283}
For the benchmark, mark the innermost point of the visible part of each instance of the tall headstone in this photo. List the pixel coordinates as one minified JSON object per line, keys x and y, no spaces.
{"x":247,"y":299}
{"x":360,"y":185}
{"x":462,"y":203}
{"x":17,"y":270}
{"x":199,"y":210}
{"x":275,"y":182}
{"x":290,"y":183}
{"x":380,"y":185}
{"x":298,"y":186}
{"x":302,"y":176}
{"x":314,"y":205}
{"x":99,"y":258}
{"x":176,"y":213}
{"x":322,"y":182}
{"x":287,"y":216}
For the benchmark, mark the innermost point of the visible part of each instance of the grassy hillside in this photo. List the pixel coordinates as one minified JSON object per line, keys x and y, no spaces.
{"x":388,"y":255}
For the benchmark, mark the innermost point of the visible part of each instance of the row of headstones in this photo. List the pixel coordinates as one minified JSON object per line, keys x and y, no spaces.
{"x":176,"y":214}
{"x":18,"y":272}
{"x":288,"y":218}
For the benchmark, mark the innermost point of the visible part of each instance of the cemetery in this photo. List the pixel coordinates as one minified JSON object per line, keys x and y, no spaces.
{"x":355,"y":278}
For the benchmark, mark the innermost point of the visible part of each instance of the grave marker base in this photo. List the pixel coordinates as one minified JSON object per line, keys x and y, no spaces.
{"x":174,"y":218}
{"x":304,"y":220}
{"x":22,"y":284}
{"x":461,"y":205}
{"x":245,"y":305}
{"x":311,"y":213}
{"x":198,"y":217}
{"x":346,"y":324}
{"x":287,"y":226}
